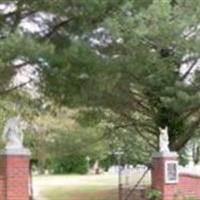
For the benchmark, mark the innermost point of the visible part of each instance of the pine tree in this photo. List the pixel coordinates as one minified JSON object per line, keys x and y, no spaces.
{"x":148,"y":75}
{"x":144,"y":69}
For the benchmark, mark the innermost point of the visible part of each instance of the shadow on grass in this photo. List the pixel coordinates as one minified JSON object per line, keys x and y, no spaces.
{"x":80,"y":193}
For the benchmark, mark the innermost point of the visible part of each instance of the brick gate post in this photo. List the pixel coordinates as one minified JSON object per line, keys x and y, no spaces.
{"x":14,"y":174}
{"x":165,"y":174}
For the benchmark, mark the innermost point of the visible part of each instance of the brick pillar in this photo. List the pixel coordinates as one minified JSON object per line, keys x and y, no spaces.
{"x":160,"y":181}
{"x":14,"y":174}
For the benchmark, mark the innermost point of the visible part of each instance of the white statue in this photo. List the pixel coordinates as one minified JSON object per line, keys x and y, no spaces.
{"x":164,"y":140}
{"x":12,"y":133}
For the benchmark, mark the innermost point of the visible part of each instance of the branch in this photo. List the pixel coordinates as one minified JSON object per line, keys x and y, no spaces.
{"x":140,"y":107}
{"x":21,"y":65}
{"x":188,"y":59}
{"x":140,"y":101}
{"x":87,"y":145}
{"x":147,"y":140}
{"x":189,"y":112}
{"x":191,"y":30}
{"x":28,"y":14}
{"x":182,"y":140}
{"x":189,"y":69}
{"x":132,"y":124}
{"x":138,"y":123}
{"x":123,"y":126}
{"x":56,"y":28}
{"x":6,"y":91}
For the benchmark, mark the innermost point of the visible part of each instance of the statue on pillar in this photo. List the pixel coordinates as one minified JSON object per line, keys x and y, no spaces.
{"x":164,"y":140}
{"x":12,"y":134}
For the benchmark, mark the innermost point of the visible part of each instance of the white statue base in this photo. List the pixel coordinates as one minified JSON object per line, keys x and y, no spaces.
{"x":170,"y":154}
{"x":16,"y":151}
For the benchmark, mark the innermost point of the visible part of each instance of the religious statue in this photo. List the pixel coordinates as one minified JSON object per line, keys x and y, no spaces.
{"x":12,"y":133}
{"x":164,"y":140}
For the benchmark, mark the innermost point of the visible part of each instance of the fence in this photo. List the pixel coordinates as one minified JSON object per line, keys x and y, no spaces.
{"x":134,"y":180}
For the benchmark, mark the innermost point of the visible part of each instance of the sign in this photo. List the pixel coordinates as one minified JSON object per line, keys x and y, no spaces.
{"x":171,"y":172}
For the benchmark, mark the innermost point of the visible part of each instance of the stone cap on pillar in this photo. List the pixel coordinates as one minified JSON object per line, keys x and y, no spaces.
{"x":16,"y":152}
{"x":172,"y":154}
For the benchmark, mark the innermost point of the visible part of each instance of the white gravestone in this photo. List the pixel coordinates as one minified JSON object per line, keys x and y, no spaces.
{"x":164,"y":140}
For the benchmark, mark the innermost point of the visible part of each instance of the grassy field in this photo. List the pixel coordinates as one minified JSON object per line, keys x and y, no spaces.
{"x":68,"y":187}
{"x":75,"y":187}
{"x":83,"y":193}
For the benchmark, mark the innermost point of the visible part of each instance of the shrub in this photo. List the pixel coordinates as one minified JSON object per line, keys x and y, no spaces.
{"x":191,"y":198}
{"x":68,"y":164}
{"x":153,"y":194}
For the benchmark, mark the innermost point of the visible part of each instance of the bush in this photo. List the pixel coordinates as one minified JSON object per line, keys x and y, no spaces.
{"x":68,"y":164}
{"x":153,"y":194}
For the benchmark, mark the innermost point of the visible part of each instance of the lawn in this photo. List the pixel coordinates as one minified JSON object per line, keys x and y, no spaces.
{"x":75,"y":187}
{"x":83,"y":193}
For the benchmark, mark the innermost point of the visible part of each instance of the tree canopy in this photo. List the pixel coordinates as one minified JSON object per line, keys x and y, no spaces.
{"x":136,"y":62}
{"x":147,"y":74}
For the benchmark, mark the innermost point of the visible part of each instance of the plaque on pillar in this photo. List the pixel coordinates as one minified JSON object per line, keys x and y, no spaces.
{"x":171,"y":172}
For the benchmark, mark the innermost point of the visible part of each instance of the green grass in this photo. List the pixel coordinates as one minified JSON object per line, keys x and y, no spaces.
{"x":77,"y":187}
{"x":80,"y":193}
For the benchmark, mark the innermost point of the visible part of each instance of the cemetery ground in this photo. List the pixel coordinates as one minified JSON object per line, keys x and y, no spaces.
{"x":75,"y":187}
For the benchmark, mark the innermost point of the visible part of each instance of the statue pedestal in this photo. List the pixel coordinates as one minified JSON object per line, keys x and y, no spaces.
{"x":165,"y":174}
{"x":15,"y":174}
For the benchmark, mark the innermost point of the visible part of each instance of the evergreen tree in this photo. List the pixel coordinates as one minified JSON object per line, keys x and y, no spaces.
{"x":137,"y":59}
{"x":147,"y":72}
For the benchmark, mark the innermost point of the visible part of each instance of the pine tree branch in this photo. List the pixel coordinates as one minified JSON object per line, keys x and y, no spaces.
{"x":189,"y":59}
{"x":192,"y":30}
{"x":143,"y":108}
{"x":56,"y":27}
{"x":22,"y":64}
{"x":6,"y":91}
{"x":184,"y":76}
{"x":183,"y":138}
{"x":189,"y":112}
{"x":133,"y":122}
{"x":146,"y":139}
